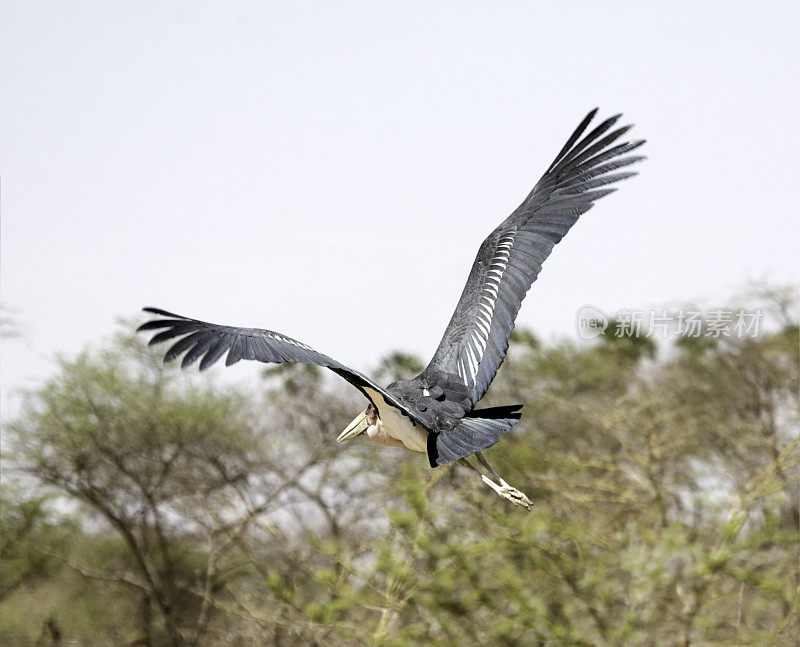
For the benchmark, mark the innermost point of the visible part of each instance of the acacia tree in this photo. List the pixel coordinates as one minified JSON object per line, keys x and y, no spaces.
{"x":30,"y":533}
{"x":178,"y":471}
{"x":154,"y":461}
{"x":212,"y":491}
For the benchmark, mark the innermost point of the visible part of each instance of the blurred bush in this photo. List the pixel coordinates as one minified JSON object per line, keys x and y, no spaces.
{"x":146,"y":507}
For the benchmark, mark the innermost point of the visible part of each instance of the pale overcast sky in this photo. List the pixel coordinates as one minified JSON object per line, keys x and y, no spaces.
{"x":328,"y":169}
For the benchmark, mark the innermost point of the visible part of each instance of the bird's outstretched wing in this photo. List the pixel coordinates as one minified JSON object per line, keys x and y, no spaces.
{"x":196,"y":339}
{"x":509,"y":260}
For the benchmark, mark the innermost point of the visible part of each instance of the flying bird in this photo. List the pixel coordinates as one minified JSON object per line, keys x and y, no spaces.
{"x":435,"y":412}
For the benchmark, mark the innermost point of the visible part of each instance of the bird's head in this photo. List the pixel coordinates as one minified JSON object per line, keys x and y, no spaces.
{"x":361,"y":423}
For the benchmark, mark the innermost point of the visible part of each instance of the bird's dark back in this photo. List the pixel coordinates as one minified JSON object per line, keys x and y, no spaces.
{"x":440,"y":399}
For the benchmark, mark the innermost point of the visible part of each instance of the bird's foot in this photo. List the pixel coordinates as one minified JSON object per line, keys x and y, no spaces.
{"x":509,"y":493}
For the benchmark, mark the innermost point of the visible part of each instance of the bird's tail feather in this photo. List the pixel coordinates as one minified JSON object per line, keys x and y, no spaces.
{"x":494,"y":413}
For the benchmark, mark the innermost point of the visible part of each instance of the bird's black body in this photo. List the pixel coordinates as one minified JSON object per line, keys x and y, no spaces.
{"x":441,"y":401}
{"x":443,"y":404}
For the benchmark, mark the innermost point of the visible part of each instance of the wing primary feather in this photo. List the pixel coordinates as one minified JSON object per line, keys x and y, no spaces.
{"x":155,"y":324}
{"x":602,"y":169}
{"x":235,"y":351}
{"x":587,"y":141}
{"x":163,"y":313}
{"x":602,"y":181}
{"x":613,"y":136}
{"x":181,"y":345}
{"x":202,"y":344}
{"x":179,"y":329}
{"x":608,"y":154}
{"x":215,"y":352}
{"x":573,"y":137}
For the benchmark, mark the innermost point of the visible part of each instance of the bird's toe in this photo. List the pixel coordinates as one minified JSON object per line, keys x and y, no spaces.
{"x":515,"y":496}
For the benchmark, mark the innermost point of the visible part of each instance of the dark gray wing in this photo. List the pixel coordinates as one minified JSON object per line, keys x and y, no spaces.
{"x":509,"y":260}
{"x":196,"y":339}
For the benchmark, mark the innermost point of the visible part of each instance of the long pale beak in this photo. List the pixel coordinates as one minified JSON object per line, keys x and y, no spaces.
{"x":355,"y":428}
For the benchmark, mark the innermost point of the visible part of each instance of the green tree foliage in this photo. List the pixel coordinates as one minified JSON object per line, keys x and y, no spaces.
{"x":156,"y":463}
{"x":32,"y":539}
{"x":665,"y":482}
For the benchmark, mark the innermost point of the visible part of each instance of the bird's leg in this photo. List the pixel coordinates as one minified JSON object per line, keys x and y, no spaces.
{"x":466,"y":464}
{"x":485,"y":463}
{"x":504,"y":489}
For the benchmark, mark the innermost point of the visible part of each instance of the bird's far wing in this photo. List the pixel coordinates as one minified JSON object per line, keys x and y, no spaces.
{"x":210,"y":341}
{"x":509,"y":260}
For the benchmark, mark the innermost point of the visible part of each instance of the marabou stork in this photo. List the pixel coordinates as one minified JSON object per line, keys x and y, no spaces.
{"x":435,"y":412}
